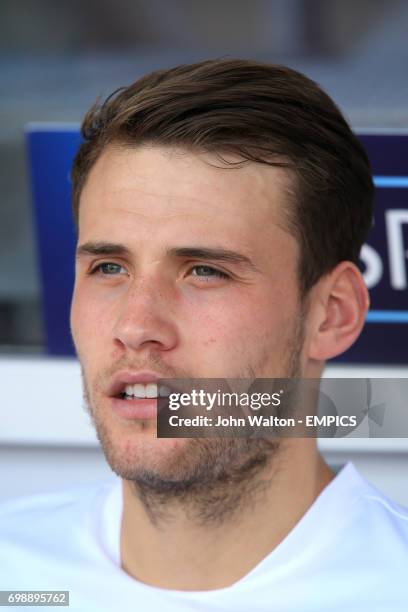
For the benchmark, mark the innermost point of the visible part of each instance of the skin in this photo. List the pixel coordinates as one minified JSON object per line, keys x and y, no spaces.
{"x":160,"y":312}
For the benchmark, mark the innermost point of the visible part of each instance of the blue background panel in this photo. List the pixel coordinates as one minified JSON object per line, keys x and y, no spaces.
{"x":50,"y":154}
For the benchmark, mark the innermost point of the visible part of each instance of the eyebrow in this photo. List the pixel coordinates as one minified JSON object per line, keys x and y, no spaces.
{"x":101,"y":248}
{"x":214,"y":254}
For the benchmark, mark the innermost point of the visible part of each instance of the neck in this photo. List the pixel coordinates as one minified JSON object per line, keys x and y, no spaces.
{"x":180,"y":548}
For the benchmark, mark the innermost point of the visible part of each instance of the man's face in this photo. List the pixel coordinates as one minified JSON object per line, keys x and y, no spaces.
{"x":169,"y":309}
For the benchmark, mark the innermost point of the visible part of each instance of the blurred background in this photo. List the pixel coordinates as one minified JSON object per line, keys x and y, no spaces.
{"x":57,"y":57}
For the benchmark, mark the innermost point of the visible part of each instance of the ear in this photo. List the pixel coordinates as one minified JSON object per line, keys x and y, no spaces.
{"x":338,"y":309}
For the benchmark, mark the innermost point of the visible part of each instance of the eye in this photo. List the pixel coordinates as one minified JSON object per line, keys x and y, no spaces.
{"x":107,"y":268}
{"x":208,"y":272}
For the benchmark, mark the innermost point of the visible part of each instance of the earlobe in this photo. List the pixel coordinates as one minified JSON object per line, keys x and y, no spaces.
{"x":340,"y":305}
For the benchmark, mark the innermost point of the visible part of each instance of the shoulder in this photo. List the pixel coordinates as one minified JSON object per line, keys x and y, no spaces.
{"x":46,"y":504}
{"x":383,"y":522}
{"x":51,"y":519}
{"x":44,"y":537}
{"x":382,"y":510}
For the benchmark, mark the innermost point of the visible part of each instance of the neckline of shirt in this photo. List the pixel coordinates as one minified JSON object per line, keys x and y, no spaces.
{"x":333,"y":504}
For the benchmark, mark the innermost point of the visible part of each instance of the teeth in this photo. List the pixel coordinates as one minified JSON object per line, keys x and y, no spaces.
{"x":141,"y":390}
{"x":151,"y":390}
{"x":164,"y":391}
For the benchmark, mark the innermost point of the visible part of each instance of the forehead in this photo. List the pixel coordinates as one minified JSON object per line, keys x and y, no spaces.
{"x":143,"y":187}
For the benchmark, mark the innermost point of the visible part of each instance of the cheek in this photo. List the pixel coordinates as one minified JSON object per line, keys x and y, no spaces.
{"x":241,"y":324}
{"x":88,"y":320}
{"x":221,"y":324}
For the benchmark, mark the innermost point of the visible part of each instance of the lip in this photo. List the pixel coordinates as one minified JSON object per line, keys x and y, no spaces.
{"x":136,"y":409}
{"x":128,"y":377}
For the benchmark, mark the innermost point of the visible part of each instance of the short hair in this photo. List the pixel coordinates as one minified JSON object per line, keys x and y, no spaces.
{"x":264,"y":113}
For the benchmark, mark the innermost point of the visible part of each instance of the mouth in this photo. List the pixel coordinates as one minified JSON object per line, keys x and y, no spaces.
{"x":136,"y":400}
{"x":149,"y":390}
{"x":129,"y":384}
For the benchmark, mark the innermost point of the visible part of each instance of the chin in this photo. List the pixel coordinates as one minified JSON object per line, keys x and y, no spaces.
{"x":129,"y":453}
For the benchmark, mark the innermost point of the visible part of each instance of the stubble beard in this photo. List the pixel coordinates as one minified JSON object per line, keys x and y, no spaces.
{"x":210,"y":479}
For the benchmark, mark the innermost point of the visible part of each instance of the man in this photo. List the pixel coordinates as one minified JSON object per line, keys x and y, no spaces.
{"x":221,"y":208}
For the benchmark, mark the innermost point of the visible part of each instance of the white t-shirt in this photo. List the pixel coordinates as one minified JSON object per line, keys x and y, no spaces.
{"x":349,"y":552}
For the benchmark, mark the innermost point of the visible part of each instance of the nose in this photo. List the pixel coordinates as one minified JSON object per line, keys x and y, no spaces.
{"x":145,"y":319}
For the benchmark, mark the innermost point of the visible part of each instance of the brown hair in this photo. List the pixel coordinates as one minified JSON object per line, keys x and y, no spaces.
{"x":264,"y":113}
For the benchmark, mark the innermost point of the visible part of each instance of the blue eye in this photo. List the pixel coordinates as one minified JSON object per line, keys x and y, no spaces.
{"x":107,"y":268}
{"x":207,"y":272}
